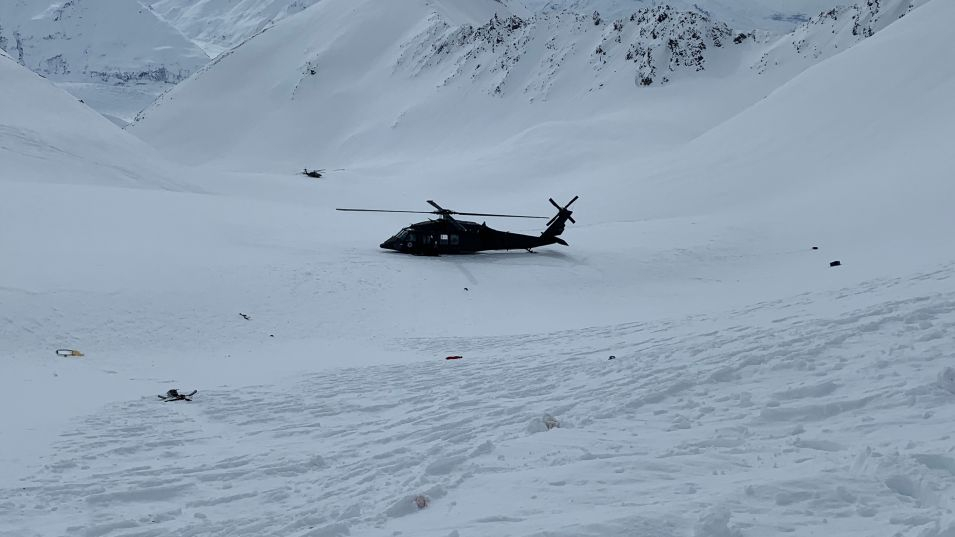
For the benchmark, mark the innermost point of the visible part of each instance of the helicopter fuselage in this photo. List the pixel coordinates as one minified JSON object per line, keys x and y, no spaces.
{"x":436,"y":237}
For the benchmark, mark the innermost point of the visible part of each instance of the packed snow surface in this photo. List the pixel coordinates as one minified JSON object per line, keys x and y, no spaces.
{"x":690,"y":365}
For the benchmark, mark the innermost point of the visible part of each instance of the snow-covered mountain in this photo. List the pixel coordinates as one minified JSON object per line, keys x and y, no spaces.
{"x":219,"y":25}
{"x":309,"y":102}
{"x":432,"y":57}
{"x":116,"y":55}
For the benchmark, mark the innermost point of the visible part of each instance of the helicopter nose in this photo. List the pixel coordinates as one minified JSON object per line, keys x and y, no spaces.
{"x":390,"y":244}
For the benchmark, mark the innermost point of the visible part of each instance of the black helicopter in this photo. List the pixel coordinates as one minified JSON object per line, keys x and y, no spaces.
{"x":447,"y":235}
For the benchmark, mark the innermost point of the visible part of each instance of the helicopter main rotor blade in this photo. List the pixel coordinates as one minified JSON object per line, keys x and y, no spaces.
{"x":448,"y":212}
{"x":439,"y":208}
{"x":385,"y":211}
{"x":500,"y":215}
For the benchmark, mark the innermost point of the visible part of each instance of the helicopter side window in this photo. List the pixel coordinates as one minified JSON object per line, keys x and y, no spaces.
{"x":455,"y":240}
{"x":444,"y":239}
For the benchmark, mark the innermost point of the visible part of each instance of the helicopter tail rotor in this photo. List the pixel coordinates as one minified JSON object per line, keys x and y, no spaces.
{"x":556,"y":224}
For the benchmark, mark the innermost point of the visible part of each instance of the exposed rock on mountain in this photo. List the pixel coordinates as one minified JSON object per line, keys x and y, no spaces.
{"x":526,"y":54}
{"x":834,"y":31}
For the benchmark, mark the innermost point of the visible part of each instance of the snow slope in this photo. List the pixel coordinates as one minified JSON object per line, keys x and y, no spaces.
{"x":753,"y":390}
{"x":833,"y":31}
{"x":48,"y":136}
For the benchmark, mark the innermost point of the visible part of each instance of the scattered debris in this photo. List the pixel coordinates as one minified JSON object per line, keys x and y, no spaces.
{"x":421,"y":501}
{"x":835,"y":263}
{"x":246,"y":317}
{"x":612,"y":357}
{"x":551,"y":422}
{"x":455,"y":357}
{"x":466,"y":289}
{"x":174,"y":395}
{"x":68,"y":352}
{"x":815,"y":247}
{"x":317,"y":174}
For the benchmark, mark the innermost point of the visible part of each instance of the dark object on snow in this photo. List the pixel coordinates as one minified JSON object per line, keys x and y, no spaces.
{"x":446,"y":235}
{"x":246,"y":317}
{"x":317,"y":174}
{"x":815,"y":247}
{"x":455,"y":357}
{"x":68,"y":352}
{"x":835,"y":263}
{"x":612,"y":357}
{"x":174,"y":395}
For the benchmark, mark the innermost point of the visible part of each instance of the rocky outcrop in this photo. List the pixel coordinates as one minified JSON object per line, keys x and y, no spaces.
{"x":654,"y":45}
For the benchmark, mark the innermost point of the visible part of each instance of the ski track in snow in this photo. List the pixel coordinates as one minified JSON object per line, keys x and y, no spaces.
{"x":713,"y":426}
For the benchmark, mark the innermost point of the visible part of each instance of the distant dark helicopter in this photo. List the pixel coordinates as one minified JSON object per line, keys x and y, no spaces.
{"x":447,"y":235}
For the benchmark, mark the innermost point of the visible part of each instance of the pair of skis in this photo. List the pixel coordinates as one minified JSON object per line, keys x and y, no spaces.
{"x":174,"y":395}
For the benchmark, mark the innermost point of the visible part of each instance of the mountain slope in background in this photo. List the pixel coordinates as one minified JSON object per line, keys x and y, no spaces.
{"x":219,"y":25}
{"x":115,"y":55}
{"x":832,"y":32}
{"x":47,"y":136}
{"x":312,"y":100}
{"x":316,"y":94}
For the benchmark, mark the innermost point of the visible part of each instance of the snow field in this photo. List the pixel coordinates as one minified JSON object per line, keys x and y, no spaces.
{"x":770,"y":419}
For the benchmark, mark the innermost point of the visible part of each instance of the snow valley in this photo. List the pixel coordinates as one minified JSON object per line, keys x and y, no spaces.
{"x":724,"y":166}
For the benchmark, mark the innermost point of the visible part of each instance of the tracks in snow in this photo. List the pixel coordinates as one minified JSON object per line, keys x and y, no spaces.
{"x":764,"y":421}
